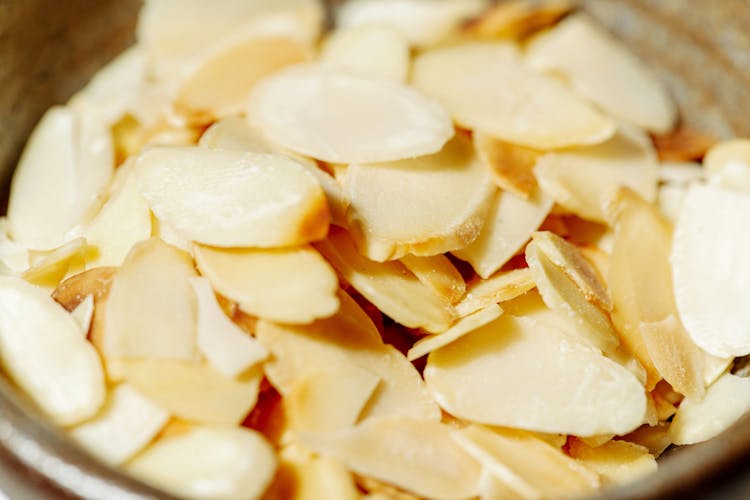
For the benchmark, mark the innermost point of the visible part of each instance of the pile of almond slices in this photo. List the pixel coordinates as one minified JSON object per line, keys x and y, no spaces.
{"x":447,"y":250}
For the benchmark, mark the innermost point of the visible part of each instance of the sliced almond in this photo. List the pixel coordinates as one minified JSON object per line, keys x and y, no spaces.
{"x":271,"y":201}
{"x":727,"y":164}
{"x":418,"y":456}
{"x":291,"y":285}
{"x":654,"y":438}
{"x":304,"y":476}
{"x":341,"y":116}
{"x":616,"y":462}
{"x":48,"y":268}
{"x":517,"y":19}
{"x":374,"y":49}
{"x":95,"y":282}
{"x":669,"y":200}
{"x":83,"y":314}
{"x":501,"y":286}
{"x":681,"y":173}
{"x":42,"y":351}
{"x":395,"y":207}
{"x":682,"y":144}
{"x":438,"y":273}
{"x":512,"y":166}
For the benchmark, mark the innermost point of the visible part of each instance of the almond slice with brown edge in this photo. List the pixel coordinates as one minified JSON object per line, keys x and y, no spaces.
{"x":419,"y":456}
{"x":512,"y":166}
{"x":374,"y":49}
{"x":423,"y":206}
{"x":73,"y":291}
{"x":83,"y":314}
{"x":438,"y":273}
{"x":517,"y":19}
{"x":485,"y":86}
{"x":616,"y":462}
{"x":341,"y":116}
{"x":501,"y":286}
{"x":42,"y":351}
{"x":288,"y":285}
{"x":388,"y":285}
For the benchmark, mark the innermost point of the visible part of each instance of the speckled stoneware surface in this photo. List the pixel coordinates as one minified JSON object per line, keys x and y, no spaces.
{"x":49,"y":48}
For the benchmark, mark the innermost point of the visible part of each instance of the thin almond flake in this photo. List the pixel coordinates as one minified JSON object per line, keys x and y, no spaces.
{"x":270,"y":201}
{"x":516,"y":19}
{"x":485,"y":86}
{"x":303,"y":476}
{"x":83,"y":314}
{"x":208,"y":463}
{"x":727,"y":164}
{"x":603,"y":70}
{"x":388,"y":285}
{"x":616,"y":462}
{"x":654,"y":438}
{"x":510,"y":223}
{"x":95,"y":282}
{"x":492,"y":488}
{"x":125,"y":425}
{"x":419,"y":456}
{"x":50,"y":267}
{"x":288,"y":285}
{"x":501,"y":286}
{"x":374,"y":49}
{"x":681,"y":173}
{"x":43,"y":352}
{"x":512,"y":166}
{"x":342,"y":116}
{"x":438,"y":273}
{"x":395,"y":208}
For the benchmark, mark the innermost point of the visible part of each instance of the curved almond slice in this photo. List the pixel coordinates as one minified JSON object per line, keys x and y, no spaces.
{"x":230,"y":198}
{"x":616,"y":462}
{"x":343,"y":117}
{"x":375,"y":49}
{"x":499,"y":287}
{"x":388,"y":285}
{"x":42,"y":351}
{"x":423,"y":206}
{"x":125,"y":425}
{"x":83,"y":314}
{"x":151,"y":309}
{"x":438,"y":273}
{"x":516,"y":19}
{"x":603,"y":70}
{"x":416,"y":455}
{"x":509,"y":226}
{"x":710,"y":267}
{"x":512,"y":166}
{"x":50,"y":267}
{"x":580,"y":179}
{"x":486,"y":87}
{"x":289,"y":285}
{"x":576,"y":389}
{"x":727,"y":164}
{"x":73,"y":291}
{"x":208,"y":462}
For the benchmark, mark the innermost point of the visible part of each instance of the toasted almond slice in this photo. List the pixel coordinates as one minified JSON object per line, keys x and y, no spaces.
{"x":682,"y":144}
{"x":517,"y":19}
{"x":194,"y":391}
{"x":83,"y":314}
{"x":654,"y":438}
{"x":151,"y":308}
{"x":697,"y":420}
{"x":462,"y":327}
{"x":74,"y":290}
{"x":303,"y":476}
{"x":727,"y":164}
{"x":509,"y":226}
{"x":42,"y":351}
{"x":580,"y":179}
{"x":512,"y":166}
{"x":341,"y":116}
{"x":395,"y":207}
{"x":438,"y":273}
{"x":123,"y":427}
{"x":208,"y":462}
{"x":486,"y":87}
{"x":388,"y":285}
{"x":525,"y":464}
{"x":48,"y":268}
{"x":576,"y":389}
{"x":373,"y":49}
{"x":419,"y":456}
{"x":501,"y":286}
{"x":602,"y":69}
{"x":290,"y":285}
{"x":616,"y":462}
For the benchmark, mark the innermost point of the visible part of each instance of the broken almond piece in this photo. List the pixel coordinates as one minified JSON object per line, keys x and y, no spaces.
{"x":374,"y":49}
{"x":501,"y":286}
{"x":438,"y":273}
{"x":50,"y":267}
{"x":95,"y":282}
{"x":516,"y":19}
{"x":83,"y":314}
{"x":682,"y":144}
{"x":616,"y":462}
{"x":512,"y":166}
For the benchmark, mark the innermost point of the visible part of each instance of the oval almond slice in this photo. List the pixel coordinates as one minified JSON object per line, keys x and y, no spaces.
{"x":485,"y":87}
{"x":501,"y":286}
{"x":344,"y":117}
{"x":230,"y":198}
{"x":43,"y":352}
{"x":375,"y":49}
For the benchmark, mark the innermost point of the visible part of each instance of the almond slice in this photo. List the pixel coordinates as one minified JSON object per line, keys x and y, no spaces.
{"x":418,"y":456}
{"x":616,"y":462}
{"x":343,"y":117}
{"x":374,"y":49}
{"x":486,"y":87}
{"x":269,"y":282}
{"x":125,"y":425}
{"x":727,"y":164}
{"x":42,"y":351}
{"x":512,"y":166}
{"x":271,"y":201}
{"x":50,"y":267}
{"x":438,"y":273}
{"x":395,"y":208}
{"x":74,"y":290}
{"x":517,"y":19}
{"x":501,"y":286}
{"x":681,"y":173}
{"x":208,"y":462}
{"x":310,"y":477}
{"x":83,"y":314}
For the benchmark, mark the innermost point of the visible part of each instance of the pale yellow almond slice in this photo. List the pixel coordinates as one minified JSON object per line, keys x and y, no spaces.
{"x":288,"y":285}
{"x":438,"y":273}
{"x":462,"y":327}
{"x":681,"y":172}
{"x":43,"y":352}
{"x":510,"y":223}
{"x":330,"y":400}
{"x":226,"y":347}
{"x":501,"y":286}
{"x":124,"y":426}
{"x":525,"y":464}
{"x":14,"y":257}
{"x":374,"y":49}
{"x":50,"y":267}
{"x":602,"y":69}
{"x":341,"y":116}
{"x":304,"y":476}
{"x":194,"y":391}
{"x":388,"y":285}
{"x":486,"y":87}
{"x":419,"y":456}
{"x":576,"y":389}
{"x":512,"y":166}
{"x":208,"y":462}
{"x":654,"y":438}
{"x":727,"y":164}
{"x":669,"y":200}
{"x":580,"y":179}
{"x":616,"y":462}
{"x":83,"y":314}
{"x":490,"y":487}
{"x":395,"y":208}
{"x":271,"y":200}
{"x":516,"y":19}
{"x":151,"y":308}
